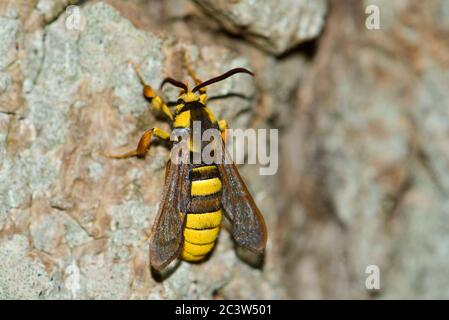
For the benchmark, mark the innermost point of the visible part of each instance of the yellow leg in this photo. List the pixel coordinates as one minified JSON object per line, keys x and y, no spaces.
{"x":144,"y":144}
{"x":190,"y":70}
{"x":156,"y":101}
{"x":223,"y":126}
{"x":192,"y":74}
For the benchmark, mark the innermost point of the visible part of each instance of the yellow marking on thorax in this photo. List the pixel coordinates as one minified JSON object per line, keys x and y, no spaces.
{"x":204,"y":236}
{"x":182,"y":120}
{"x":203,"y":220}
{"x":205,"y":187}
{"x":210,"y":115}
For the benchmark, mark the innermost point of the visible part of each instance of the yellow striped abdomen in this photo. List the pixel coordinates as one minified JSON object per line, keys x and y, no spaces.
{"x":204,"y":219}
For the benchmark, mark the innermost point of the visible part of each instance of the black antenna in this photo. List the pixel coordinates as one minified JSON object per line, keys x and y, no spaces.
{"x":222,"y":77}
{"x":175,"y":83}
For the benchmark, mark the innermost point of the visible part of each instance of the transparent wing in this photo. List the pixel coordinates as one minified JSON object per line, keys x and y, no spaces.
{"x":167,"y":231}
{"x":248,"y":225}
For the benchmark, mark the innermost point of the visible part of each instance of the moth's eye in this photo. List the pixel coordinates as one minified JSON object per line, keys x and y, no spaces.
{"x":180,"y":101}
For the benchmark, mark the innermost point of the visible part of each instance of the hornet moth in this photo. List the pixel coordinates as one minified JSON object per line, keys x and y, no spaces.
{"x":196,"y":196}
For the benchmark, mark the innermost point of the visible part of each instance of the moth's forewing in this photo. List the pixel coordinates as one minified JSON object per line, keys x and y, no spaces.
{"x":248,"y":225}
{"x":167,"y":232}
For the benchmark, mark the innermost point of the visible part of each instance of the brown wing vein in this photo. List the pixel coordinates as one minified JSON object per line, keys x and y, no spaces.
{"x":248,"y":225}
{"x":167,"y":231}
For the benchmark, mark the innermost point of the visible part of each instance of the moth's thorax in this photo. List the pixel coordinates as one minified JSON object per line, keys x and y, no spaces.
{"x":189,"y":112}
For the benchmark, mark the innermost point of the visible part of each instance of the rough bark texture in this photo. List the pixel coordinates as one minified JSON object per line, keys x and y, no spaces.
{"x":275,"y":25}
{"x":364,"y":127}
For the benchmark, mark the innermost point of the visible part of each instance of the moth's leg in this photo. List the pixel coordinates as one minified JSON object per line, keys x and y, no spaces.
{"x":223,"y":126}
{"x":190,"y":70}
{"x":192,"y":74}
{"x":144,"y":144}
{"x":156,"y":101}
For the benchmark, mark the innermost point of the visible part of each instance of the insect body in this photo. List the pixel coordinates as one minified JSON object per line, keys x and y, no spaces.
{"x":197,"y":195}
{"x":204,"y":211}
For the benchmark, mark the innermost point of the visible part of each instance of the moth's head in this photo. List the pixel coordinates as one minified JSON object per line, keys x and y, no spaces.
{"x":189,"y":96}
{"x":198,"y":93}
{"x":186,"y":95}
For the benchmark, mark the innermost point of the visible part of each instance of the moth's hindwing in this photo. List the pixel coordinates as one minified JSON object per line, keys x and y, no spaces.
{"x":248,"y":225}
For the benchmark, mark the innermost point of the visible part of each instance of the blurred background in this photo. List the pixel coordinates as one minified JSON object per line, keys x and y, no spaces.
{"x":357,"y":89}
